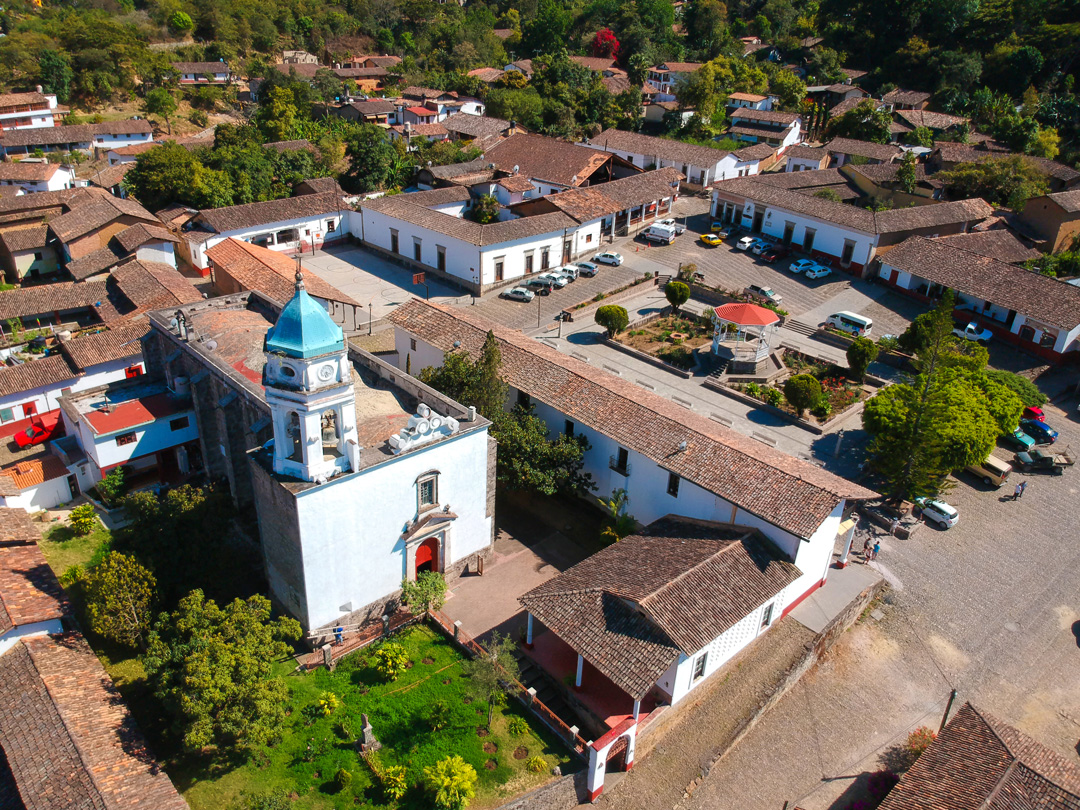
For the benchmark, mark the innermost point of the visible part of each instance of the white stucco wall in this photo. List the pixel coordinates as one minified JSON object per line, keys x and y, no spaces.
{"x":308,"y":227}
{"x":353,"y":553}
{"x":45,"y":495}
{"x":162,"y":252}
{"x":11,"y":637}
{"x":46,"y":398}
{"x":106,"y":140}
{"x":462,"y":258}
{"x":149,"y":438}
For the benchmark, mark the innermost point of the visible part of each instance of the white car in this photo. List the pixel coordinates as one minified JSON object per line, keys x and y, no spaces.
{"x":974,"y":332}
{"x":760,"y":246}
{"x":518,"y":294}
{"x":568,"y":270}
{"x":939,"y":512}
{"x":745,"y":243}
{"x":556,"y":278}
{"x":610,"y":257}
{"x":680,"y":229}
{"x":817,"y":271}
{"x":802,"y":265}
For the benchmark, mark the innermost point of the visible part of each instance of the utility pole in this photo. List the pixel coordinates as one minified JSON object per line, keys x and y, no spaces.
{"x":948,"y":708}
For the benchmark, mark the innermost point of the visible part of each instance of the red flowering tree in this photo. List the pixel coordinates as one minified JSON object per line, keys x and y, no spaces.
{"x":604,"y":44}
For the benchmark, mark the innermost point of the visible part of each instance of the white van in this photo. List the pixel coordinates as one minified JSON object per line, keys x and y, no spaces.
{"x":993,"y":471}
{"x":851,"y":323}
{"x":660,"y":233}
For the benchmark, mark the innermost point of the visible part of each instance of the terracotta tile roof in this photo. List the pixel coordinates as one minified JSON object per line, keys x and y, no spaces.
{"x":16,"y":528}
{"x":627,"y":192}
{"x":318,"y":185}
{"x":853,"y":74}
{"x":385,"y":61}
{"x":374,"y":106}
{"x":524,"y":65}
{"x":153,"y":285}
{"x":48,"y":372}
{"x":792,"y":200}
{"x":421,"y":130}
{"x":93,"y":214}
{"x":752,"y":97}
{"x":596,"y":63}
{"x":1069,"y":201}
{"x":453,"y":170}
{"x":679,"y":67}
{"x":73,"y":133}
{"x":516,"y":183}
{"x":252,"y":215}
{"x":888,"y":172}
{"x":25,"y":238}
{"x":980,"y":762}
{"x":846,"y":105}
{"x":46,"y":299}
{"x":618,"y":140}
{"x":884,"y":152}
{"x":757,"y":151}
{"x":425,"y":92}
{"x":900,"y":96}
{"x":360,"y":73}
{"x":927,"y":216}
{"x":476,"y":126}
{"x":119,"y":343}
{"x":134,"y":149}
{"x":29,"y":591}
{"x":201,"y":67}
{"x":798,"y":180}
{"x":504,"y":33}
{"x":931,"y":120}
{"x":69,"y":739}
{"x":806,"y":152}
{"x":29,"y":472}
{"x":687,"y":581}
{"x":111,"y":175}
{"x":175,"y":212}
{"x":13,"y":99}
{"x":1006,"y":285}
{"x":789,"y":493}
{"x":137,"y":235}
{"x":27,"y":172}
{"x":487,"y":74}
{"x":1001,"y":244}
{"x":547,"y":159}
{"x":841,"y":88}
{"x":95,"y":262}
{"x":269,"y":272}
{"x":766,"y":116}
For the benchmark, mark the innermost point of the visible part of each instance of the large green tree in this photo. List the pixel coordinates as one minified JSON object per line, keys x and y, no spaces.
{"x":863,"y":122}
{"x":210,"y":668}
{"x":1008,"y":181}
{"x":161,"y":102}
{"x":120,"y":594}
{"x":170,"y":173}
{"x":371,"y":159}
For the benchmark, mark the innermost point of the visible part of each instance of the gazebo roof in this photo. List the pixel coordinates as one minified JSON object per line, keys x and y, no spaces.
{"x":746,"y":314}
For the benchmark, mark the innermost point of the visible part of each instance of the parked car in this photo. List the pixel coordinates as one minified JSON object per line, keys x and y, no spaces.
{"x":763,"y":294}
{"x":802,"y":265}
{"x":746,"y":243}
{"x":720,"y":229}
{"x":1034,"y":412}
{"x":659,"y":233}
{"x":568,"y":270}
{"x":775,"y":252}
{"x":679,"y":227}
{"x":1038,"y":460}
{"x":42,"y":428}
{"x":973,"y":332}
{"x":711,"y":239}
{"x":540,"y":285}
{"x":587,"y":269}
{"x":1018,"y":440}
{"x":761,"y":246}
{"x":557,"y":279}
{"x":608,"y":257}
{"x":937,"y":511}
{"x":518,"y":294}
{"x":817,"y":271}
{"x":1041,"y":432}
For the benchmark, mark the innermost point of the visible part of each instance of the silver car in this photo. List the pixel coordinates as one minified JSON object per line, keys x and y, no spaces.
{"x":518,"y":294}
{"x":556,"y":278}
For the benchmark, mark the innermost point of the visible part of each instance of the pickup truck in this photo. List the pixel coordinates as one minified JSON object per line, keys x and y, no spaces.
{"x":1040,"y":460}
{"x":973,"y":332}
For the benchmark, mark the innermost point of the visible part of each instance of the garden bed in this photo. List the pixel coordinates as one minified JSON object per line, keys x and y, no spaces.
{"x":670,"y":338}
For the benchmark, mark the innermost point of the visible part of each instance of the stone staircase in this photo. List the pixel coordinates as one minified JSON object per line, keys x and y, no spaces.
{"x":535,"y":678}
{"x":801,"y":328}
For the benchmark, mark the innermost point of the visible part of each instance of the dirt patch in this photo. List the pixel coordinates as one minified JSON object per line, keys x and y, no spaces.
{"x":482,"y":731}
{"x":445,"y":681}
{"x":521,"y":752}
{"x":490,"y":748}
{"x":427,"y":661}
{"x":491,"y":764}
{"x":410,"y":664}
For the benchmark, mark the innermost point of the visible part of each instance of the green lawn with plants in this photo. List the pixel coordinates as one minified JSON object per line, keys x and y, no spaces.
{"x":421,"y":718}
{"x":63,"y":548}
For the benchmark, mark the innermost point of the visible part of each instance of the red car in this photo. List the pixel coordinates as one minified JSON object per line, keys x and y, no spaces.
{"x":771,"y":254}
{"x":42,"y":428}
{"x":1035,"y":412}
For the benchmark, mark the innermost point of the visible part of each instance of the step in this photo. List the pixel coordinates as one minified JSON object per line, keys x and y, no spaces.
{"x":801,"y":328}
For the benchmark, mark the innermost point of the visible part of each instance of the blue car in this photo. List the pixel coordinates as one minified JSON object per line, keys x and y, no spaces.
{"x":1041,"y":432}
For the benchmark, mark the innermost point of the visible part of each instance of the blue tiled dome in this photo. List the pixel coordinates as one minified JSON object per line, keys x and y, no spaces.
{"x":304,"y":329}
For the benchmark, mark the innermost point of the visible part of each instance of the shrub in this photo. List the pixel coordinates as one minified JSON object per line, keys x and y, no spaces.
{"x":452,"y":781}
{"x":112,"y":486}
{"x":677,"y":294}
{"x":880,"y":783}
{"x":773,"y":396}
{"x":802,"y":391}
{"x":536,"y":765}
{"x":271,"y":800}
{"x":613,"y":318}
{"x":343,"y":730}
{"x":74,"y":574}
{"x":438,"y":715}
{"x":328,"y":703}
{"x":394,"y":781}
{"x":753,"y":389}
{"x":518,"y":726}
{"x":889,"y":343}
{"x":390,"y":660}
{"x":918,"y":741}
{"x":83,"y":520}
{"x":678,"y":356}
{"x":426,"y":592}
{"x":822,"y":409}
{"x":199,"y":118}
{"x":860,"y":354}
{"x":342,"y":779}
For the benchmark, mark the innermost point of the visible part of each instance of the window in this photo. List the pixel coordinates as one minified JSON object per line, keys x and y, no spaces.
{"x":673,"y":485}
{"x":125,"y":438}
{"x":412,"y":344}
{"x":569,"y":428}
{"x":416,"y":248}
{"x":6,"y":414}
{"x":545,"y":258}
{"x":499,"y":269}
{"x":179,"y":424}
{"x":427,"y":491}
{"x":37,"y":257}
{"x":699,"y":668}
{"x":440,"y":262}
{"x":620,"y":462}
{"x":808,"y":240}
{"x":393,"y":241}
{"x":588,"y":238}
{"x":528,"y":262}
{"x":330,"y":224}
{"x":766,"y":616}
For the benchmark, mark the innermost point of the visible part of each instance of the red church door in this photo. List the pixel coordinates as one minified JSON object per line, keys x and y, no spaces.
{"x":427,"y":556}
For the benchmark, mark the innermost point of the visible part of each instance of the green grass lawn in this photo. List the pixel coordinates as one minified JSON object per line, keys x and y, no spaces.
{"x":311,"y":751}
{"x":62,"y":549}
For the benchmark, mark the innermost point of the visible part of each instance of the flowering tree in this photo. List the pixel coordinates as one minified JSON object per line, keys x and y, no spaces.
{"x":604,"y":44}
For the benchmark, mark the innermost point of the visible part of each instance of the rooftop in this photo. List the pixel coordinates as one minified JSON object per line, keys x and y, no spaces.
{"x":930,"y":120}
{"x":252,"y":215}
{"x":751,"y":97}
{"x":29,"y":590}
{"x":766,"y":116}
{"x":28,"y":472}
{"x":791,"y":494}
{"x":124,"y":407}
{"x":901,"y":96}
{"x":875,"y":151}
{"x":1001,"y":244}
{"x":73,"y":133}
{"x":27,"y":171}
{"x":546,"y":159}
{"x":105,"y":346}
{"x":657,"y":148}
{"x":201,"y":67}
{"x":631,"y":608}
{"x":269,"y":271}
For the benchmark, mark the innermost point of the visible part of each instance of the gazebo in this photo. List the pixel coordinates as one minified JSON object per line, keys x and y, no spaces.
{"x":742,"y":335}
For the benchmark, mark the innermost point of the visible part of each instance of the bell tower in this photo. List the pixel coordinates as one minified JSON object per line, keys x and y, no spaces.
{"x":309,"y":388}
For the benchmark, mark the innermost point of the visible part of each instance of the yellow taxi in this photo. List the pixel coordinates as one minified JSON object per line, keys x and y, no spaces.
{"x":711,"y":239}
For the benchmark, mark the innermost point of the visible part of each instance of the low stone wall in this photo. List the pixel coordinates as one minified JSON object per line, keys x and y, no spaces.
{"x":622,"y":294}
{"x":646,"y":358}
{"x":746,"y":399}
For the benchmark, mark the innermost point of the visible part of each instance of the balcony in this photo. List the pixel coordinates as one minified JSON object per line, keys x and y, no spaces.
{"x":621,"y":469}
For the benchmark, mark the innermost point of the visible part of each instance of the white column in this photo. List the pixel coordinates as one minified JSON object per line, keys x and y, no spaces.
{"x":529,"y":631}
{"x":580,"y":670}
{"x":637,"y":709}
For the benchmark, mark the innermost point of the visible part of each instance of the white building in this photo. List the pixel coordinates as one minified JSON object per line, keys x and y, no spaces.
{"x":203,"y":72}
{"x":842,"y":150}
{"x":805,"y":158}
{"x":751,"y":101}
{"x":75,"y":137}
{"x":29,"y":110}
{"x":666,"y":77}
{"x":32,"y":176}
{"x":701,"y":165}
{"x":39,"y":482}
{"x":772,"y":127}
{"x":299,"y":224}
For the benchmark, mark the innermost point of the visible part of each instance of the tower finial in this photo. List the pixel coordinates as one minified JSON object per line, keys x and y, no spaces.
{"x":299,"y":276}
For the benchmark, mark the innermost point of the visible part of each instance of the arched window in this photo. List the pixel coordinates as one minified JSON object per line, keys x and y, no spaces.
{"x":292,"y":430}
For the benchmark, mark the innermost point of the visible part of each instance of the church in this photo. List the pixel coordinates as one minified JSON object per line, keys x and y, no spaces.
{"x":360,"y":475}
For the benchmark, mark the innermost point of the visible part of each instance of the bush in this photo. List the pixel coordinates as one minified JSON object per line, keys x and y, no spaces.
{"x":112,"y":486}
{"x":918,"y":741}
{"x":452,"y":781}
{"x":83,"y":520}
{"x":889,"y":343}
{"x":536,"y":765}
{"x":1021,"y":386}
{"x":677,"y":294}
{"x":199,"y":118}
{"x":438,"y":716}
{"x":391,"y":660}
{"x":342,"y":779}
{"x":271,"y":800}
{"x":754,"y":390}
{"x":860,"y":354}
{"x":678,"y":356}
{"x":343,"y":730}
{"x":74,"y":574}
{"x":328,"y":703}
{"x":802,"y":391}
{"x":773,"y":396}
{"x":613,"y":318}
{"x":518,"y":726}
{"x":822,"y":409}
{"x":395,"y":783}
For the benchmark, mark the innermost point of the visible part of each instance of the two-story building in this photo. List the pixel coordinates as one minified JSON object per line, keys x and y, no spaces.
{"x":30,"y":110}
{"x":75,"y":137}
{"x":700,"y":165}
{"x":666,"y":76}
{"x":772,"y":127}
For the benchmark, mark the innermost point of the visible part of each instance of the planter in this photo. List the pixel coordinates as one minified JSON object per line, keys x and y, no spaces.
{"x":647,"y":358}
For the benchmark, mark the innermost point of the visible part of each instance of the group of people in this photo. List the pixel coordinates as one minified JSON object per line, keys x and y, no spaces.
{"x":1019,"y":491}
{"x":870,"y":548}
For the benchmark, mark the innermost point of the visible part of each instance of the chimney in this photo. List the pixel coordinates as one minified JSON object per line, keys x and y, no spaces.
{"x":40,"y":89}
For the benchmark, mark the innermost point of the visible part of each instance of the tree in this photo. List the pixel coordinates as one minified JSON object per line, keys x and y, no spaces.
{"x":210,"y":669}
{"x":546,"y":32}
{"x":371,"y":158}
{"x":905,"y":174}
{"x":487,"y":672}
{"x":860,"y":354}
{"x":863,"y":122}
{"x":452,"y":780}
{"x":1008,"y":181}
{"x":276,"y":117}
{"x":161,"y":102}
{"x":604,"y":44}
{"x":426,"y":593}
{"x":56,"y":73}
{"x":677,"y":294}
{"x":1045,"y":144}
{"x":802,"y":391}
{"x":486,"y":209}
{"x":471,"y":383}
{"x":528,"y":460}
{"x":613,"y":318}
{"x":170,"y":173}
{"x":180,"y":22}
{"x":83,"y":520}
{"x":619,"y":522}
{"x":1024,"y":388}
{"x":119,"y":597}
{"x":920,"y":136}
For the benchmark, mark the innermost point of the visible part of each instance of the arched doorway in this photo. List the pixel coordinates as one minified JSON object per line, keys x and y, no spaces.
{"x":427,"y":556}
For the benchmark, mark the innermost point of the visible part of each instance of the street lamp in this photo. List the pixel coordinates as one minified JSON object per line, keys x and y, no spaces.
{"x":538,"y":296}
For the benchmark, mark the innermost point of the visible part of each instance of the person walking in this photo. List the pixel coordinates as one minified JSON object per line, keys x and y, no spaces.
{"x":866,"y":548}
{"x":876,"y":549}
{"x":1023,"y":488}
{"x":1018,"y":491}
